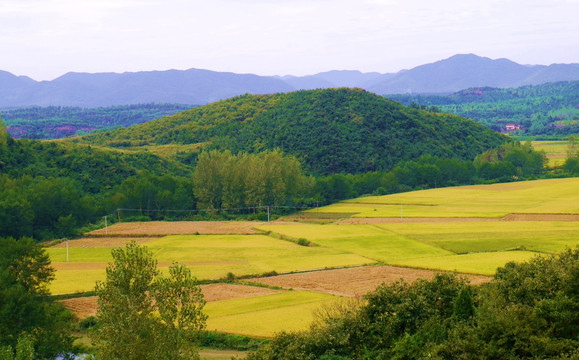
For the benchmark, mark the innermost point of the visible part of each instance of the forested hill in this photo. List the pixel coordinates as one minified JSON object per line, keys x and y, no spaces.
{"x":547,"y":109}
{"x":330,"y":131}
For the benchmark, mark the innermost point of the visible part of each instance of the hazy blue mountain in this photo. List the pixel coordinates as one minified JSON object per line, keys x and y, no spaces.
{"x":335,"y":79}
{"x":465,"y":71}
{"x":199,"y":87}
{"x":106,"y":89}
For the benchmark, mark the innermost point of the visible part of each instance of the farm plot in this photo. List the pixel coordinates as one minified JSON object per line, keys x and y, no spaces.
{"x":352,"y":282}
{"x":462,"y":238}
{"x":554,"y":196}
{"x":556,"y":151}
{"x":208,"y":257}
{"x":464,"y":247}
{"x":83,"y":307}
{"x":162,"y":228}
{"x":366,"y":240}
{"x":264,"y":316}
{"x":476,"y":263}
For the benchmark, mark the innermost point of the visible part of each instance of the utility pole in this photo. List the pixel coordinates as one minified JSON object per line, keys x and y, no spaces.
{"x":268,"y":213}
{"x":401,"y":212}
{"x":106,"y":226}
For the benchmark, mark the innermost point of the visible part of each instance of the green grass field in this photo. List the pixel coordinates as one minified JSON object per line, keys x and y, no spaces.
{"x":263,"y":316}
{"x":208,"y":257}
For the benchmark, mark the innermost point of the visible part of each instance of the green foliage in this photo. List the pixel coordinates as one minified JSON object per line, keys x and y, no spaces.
{"x":216,"y":340}
{"x":542,"y":110}
{"x":463,"y":306}
{"x":223,"y":180}
{"x":24,"y":349}
{"x":511,"y":160}
{"x":144,"y":315}
{"x":329,"y":131}
{"x":4,"y":136}
{"x":25,"y":307}
{"x":529,"y":310}
{"x":53,"y":122}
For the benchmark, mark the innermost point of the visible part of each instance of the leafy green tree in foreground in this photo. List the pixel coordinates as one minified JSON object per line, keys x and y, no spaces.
{"x":26,"y":311}
{"x":144,"y":315}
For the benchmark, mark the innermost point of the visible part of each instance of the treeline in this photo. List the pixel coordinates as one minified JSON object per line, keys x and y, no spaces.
{"x":225,"y":181}
{"x":541,"y":110}
{"x":52,"y":189}
{"x":528,"y":311}
{"x":509,"y":162}
{"x":55,"y":122}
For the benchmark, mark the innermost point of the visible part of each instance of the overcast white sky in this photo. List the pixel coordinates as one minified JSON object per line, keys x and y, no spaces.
{"x":44,"y":39}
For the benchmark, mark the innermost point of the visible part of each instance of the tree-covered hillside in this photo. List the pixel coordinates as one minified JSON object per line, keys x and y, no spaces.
{"x":548,"y":109}
{"x":54,"y":122}
{"x":329,"y":131}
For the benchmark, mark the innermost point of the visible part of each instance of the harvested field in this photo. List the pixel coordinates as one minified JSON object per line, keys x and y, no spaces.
{"x":81,"y":307}
{"x":218,"y":292}
{"x":86,"y":306}
{"x":103,"y":242}
{"x":369,"y":221}
{"x":353,"y":282}
{"x":162,"y":228}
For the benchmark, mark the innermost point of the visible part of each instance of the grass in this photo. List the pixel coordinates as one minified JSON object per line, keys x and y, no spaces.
{"x":208,"y":257}
{"x":287,"y":311}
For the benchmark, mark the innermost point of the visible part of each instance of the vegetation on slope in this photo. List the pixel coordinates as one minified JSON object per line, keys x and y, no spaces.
{"x":541,"y":110}
{"x":54,"y":122}
{"x":329,"y":131}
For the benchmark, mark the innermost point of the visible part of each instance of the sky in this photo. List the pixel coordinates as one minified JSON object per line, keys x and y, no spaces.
{"x":44,"y":39}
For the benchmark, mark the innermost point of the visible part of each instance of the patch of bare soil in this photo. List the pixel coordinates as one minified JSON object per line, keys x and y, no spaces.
{"x":353,"y":282}
{"x":219,"y":292}
{"x":74,"y":265}
{"x":161,"y":228}
{"x":102,"y":242}
{"x":541,"y":217}
{"x":81,"y":307}
{"x":358,"y":221}
{"x":86,"y":306}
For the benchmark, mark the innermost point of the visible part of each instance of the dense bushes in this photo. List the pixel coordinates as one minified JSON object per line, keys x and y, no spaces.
{"x":528,"y":310}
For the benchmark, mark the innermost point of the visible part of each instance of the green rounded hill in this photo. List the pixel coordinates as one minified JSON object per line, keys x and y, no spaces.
{"x":330,"y":131}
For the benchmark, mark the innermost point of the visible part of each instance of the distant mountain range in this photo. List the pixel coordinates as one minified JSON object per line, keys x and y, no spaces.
{"x":198,"y":87}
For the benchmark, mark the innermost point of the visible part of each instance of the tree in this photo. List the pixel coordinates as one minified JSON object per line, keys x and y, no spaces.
{"x":144,"y":315}
{"x":25,"y":307}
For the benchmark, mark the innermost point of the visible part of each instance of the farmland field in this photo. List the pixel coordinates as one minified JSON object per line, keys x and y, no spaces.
{"x":556,"y":151}
{"x":555,"y":196}
{"x":208,"y":257}
{"x":468,"y":230}
{"x":263,"y":316}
